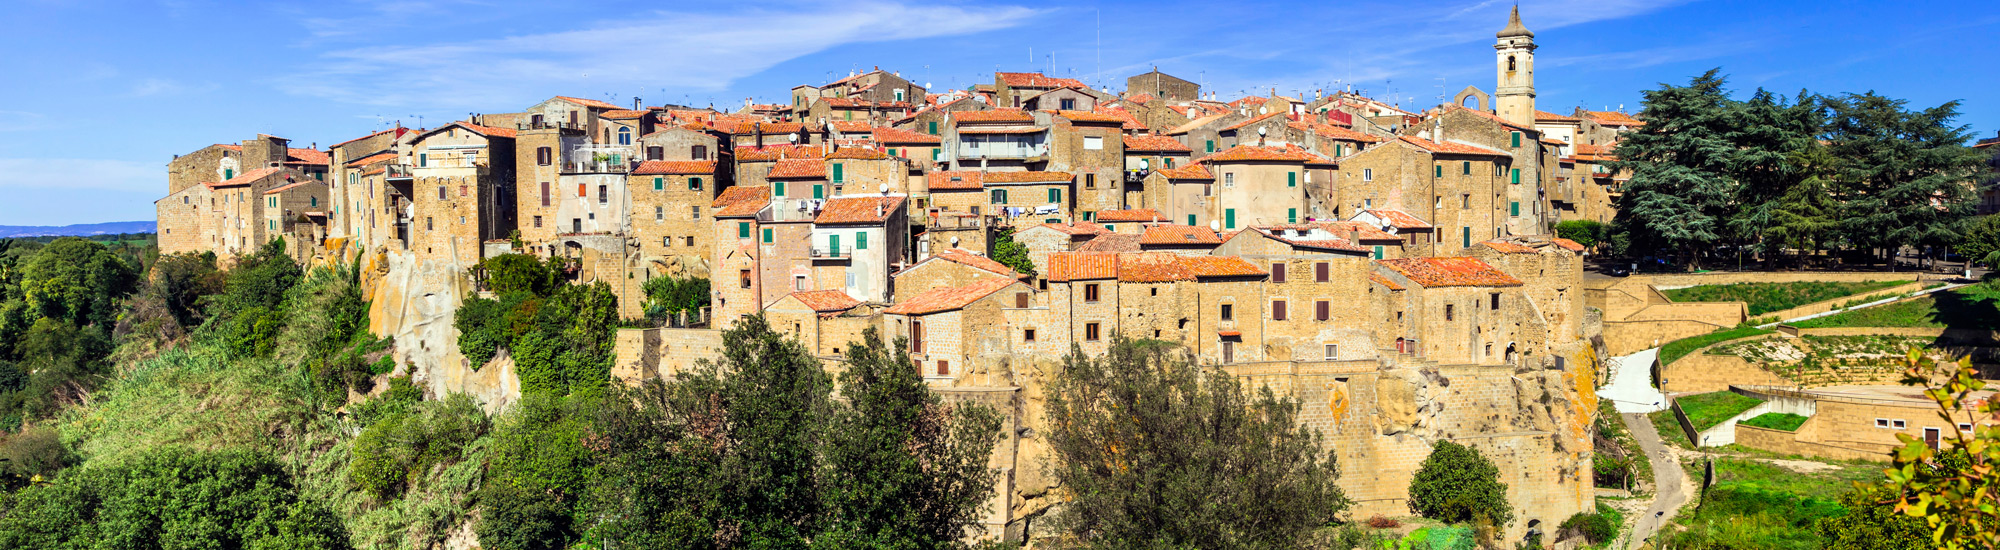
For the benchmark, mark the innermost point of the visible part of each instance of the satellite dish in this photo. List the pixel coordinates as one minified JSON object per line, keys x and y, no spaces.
{"x":885,"y":188}
{"x":794,"y":138}
{"x":1145,"y":164}
{"x":1214,"y":225}
{"x":954,"y":242}
{"x":1262,"y":130}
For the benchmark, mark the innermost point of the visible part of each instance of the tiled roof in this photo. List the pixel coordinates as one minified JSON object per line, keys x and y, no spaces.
{"x":1545,"y":116}
{"x":587,"y":102}
{"x":1028,"y":177}
{"x":1243,"y":153}
{"x":994,"y":115}
{"x":1219,"y":266}
{"x":1552,"y":141}
{"x":1145,"y":267}
{"x":307,"y":156}
{"x":1135,"y":215}
{"x":775,"y":152}
{"x":1196,"y":123}
{"x":1154,"y":143}
{"x":1567,"y":244}
{"x":1188,"y":172}
{"x":1182,"y":235}
{"x":1087,"y":116}
{"x":841,"y":210}
{"x":852,"y":126}
{"x":1399,"y":219}
{"x":1361,"y":231}
{"x":1253,"y":120}
{"x":1131,"y":121}
{"x":942,"y":180}
{"x":1323,"y":242}
{"x":966,"y":257}
{"x":1384,"y":281}
{"x":745,"y":127}
{"x":1037,"y":80}
{"x":826,"y":301}
{"x":371,"y":159}
{"x":1079,"y":228}
{"x":949,"y":298}
{"x":399,"y":131}
{"x":1077,"y":266}
{"x":857,"y":153}
{"x":1450,"y":271}
{"x":1614,"y":118}
{"x":1140,"y":98}
{"x":1009,"y":129}
{"x":245,"y":178}
{"x":376,"y":170}
{"x":741,"y":201}
{"x":623,"y":114}
{"x":1111,"y":242}
{"x":665,"y":167}
{"x":1452,"y":147}
{"x":1492,"y":117}
{"x":886,"y":135}
{"x":1508,"y":247}
{"x":798,"y":168}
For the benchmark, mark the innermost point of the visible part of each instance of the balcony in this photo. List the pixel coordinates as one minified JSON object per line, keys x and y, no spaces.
{"x":791,"y":210}
{"x":598,"y":167}
{"x":566,"y":128}
{"x":399,"y":172}
{"x":1136,"y":176}
{"x":820,"y":253}
{"x":1000,"y":152}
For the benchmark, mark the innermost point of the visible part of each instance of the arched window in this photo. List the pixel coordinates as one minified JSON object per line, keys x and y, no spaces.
{"x":1510,"y":63}
{"x":624,"y":136}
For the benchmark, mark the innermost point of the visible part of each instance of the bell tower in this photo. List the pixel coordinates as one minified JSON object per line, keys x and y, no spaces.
{"x":1514,"y":92}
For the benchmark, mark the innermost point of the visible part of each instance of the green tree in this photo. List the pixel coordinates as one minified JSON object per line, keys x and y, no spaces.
{"x":1768,"y":129}
{"x":1807,"y":216}
{"x":1952,"y":487}
{"x":249,"y":313}
{"x":170,"y":498}
{"x":395,"y":451}
{"x":1871,"y":522}
{"x":541,"y":468}
{"x":520,"y":273}
{"x":1156,"y":452}
{"x":1456,"y":484}
{"x":904,"y":469}
{"x":1981,"y":244}
{"x":77,"y":281}
{"x":667,"y":297}
{"x":1682,"y":188}
{"x":1904,"y":172}
{"x":1584,"y":232}
{"x":1011,"y":253}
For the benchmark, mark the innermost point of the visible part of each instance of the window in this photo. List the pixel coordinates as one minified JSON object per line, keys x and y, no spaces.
{"x":538,"y":222}
{"x":768,"y":235}
{"x":1229,"y":178}
{"x":699,"y":152}
{"x":934,"y":150}
{"x":1277,"y":272}
{"x":1465,"y":200}
{"x":1055,"y":195}
{"x":1516,"y":175}
{"x":423,"y":159}
{"x":667,"y":242}
{"x":581,"y":191}
{"x":1228,"y":312}
{"x":1229,"y":218}
{"x":659,"y":184}
{"x":545,"y":193}
{"x":1211,"y":146}
{"x":1028,"y":335}
{"x":1496,"y":301}
{"x":690,"y":241}
{"x":1089,"y":181}
{"x":1277,"y":310}
{"x":798,"y":282}
{"x":839,"y":175}
{"x":427,"y":224}
{"x":861,"y":241}
{"x":1090,"y":292}
{"x":778,"y":188}
{"x":1168,"y":160}
{"x":576,"y":224}
{"x":933,"y":127}
{"x":1378,"y":252}
{"x":440,"y":192}
{"x":1090,"y":332}
{"x":1332,"y":352}
{"x":1447,"y":312}
{"x":1437,"y":171}
{"x":1191,"y":219}
{"x":1465,"y":235}
{"x":1320,"y":273}
{"x":944,"y":367}
{"x":1367,"y":203}
{"x":1517,"y":139}
{"x":1291,"y":215}
{"x":1467,"y":168}
{"x":742,"y":230}
{"x":1021,"y":301}
{"x":1291,"y":179}
{"x":1898,"y":424}
{"x":1881,"y":422}
{"x":1090,"y":143}
{"x":1367,"y":174}
{"x":655,"y":152}
{"x":833,"y":245}
{"x":694,"y":184}
{"x":1322,"y":310}
{"x":624,"y":136}
{"x":603,"y":194}
{"x":744,"y":276}
{"x":1514,"y":208}
{"x":694,"y":212}
{"x":999,"y":196}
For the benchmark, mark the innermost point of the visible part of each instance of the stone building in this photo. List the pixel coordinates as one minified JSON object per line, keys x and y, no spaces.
{"x":1091,"y":148}
{"x":1013,"y":89}
{"x":227,"y":217}
{"x":857,"y":241}
{"x":997,"y":140}
{"x":672,"y":215}
{"x":1454,"y":187}
{"x":1258,"y":185}
{"x":1162,"y":85}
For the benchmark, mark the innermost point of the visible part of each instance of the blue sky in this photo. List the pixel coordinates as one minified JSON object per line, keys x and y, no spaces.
{"x":100,"y":95}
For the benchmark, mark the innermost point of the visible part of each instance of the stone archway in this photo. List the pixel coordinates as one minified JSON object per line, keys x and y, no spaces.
{"x":1485,"y":101}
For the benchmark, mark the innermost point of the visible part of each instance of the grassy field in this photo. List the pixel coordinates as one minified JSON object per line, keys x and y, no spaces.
{"x":1669,"y":429}
{"x":1776,"y":421}
{"x":1708,"y":409}
{"x":1972,"y":307}
{"x":1680,"y":348}
{"x":1768,"y":297}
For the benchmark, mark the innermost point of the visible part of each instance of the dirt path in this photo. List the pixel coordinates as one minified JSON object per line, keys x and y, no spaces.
{"x":1672,"y":484}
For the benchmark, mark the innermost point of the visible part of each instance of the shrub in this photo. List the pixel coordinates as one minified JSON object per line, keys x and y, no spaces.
{"x":171,"y":498}
{"x":668,"y":296}
{"x":396,"y":450}
{"x":1584,"y":232}
{"x":1378,"y":522}
{"x":32,"y":452}
{"x":520,"y":273}
{"x":1456,"y":484}
{"x":1595,"y":527}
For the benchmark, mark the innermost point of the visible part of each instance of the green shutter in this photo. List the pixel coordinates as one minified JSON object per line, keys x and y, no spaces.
{"x":1291,"y":215}
{"x":861,"y":241}
{"x":838,"y":174}
{"x":1466,"y":235}
{"x":934,"y":150}
{"x":833,"y":245}
{"x":933,"y":127}
{"x":1211,"y":146}
{"x":1378,"y":252}
{"x":819,"y":191}
{"x":694,"y":183}
{"x":1110,"y":227}
{"x":1089,"y":216}
{"x":1055,"y":195}
{"x":659,"y":184}
{"x":1229,"y":218}
{"x":1190,"y":219}
{"x":742,"y":230}
{"x":424,"y":159}
{"x":999,"y":196}
{"x":779,"y":188}
{"x":768,"y":237}
{"x":229,"y":173}
{"x":1291,"y":179}
{"x":1514,"y":208}
{"x":1468,"y":167}
{"x":1517,"y":175}
{"x":1439,"y":172}
{"x":1517,"y":139}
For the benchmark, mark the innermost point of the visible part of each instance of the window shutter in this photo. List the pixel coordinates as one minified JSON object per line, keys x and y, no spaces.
{"x":659,"y":184}
{"x":1438,"y":171}
{"x":1514,"y":208}
{"x":1277,"y":273}
{"x":778,"y":187}
{"x":742,"y":230}
{"x":833,"y":245}
{"x":1229,"y":218}
{"x":1055,"y":195}
{"x":1322,"y":310}
{"x":1517,"y":175}
{"x":819,"y":191}
{"x":861,"y":241}
{"x":839,"y":175}
{"x":1291,"y":215}
{"x":1278,"y":310}
{"x":1517,"y":139}
{"x":768,"y":234}
{"x":1291,"y":179}
{"x":1378,"y":252}
{"x":1320,"y":272}
{"x":1191,"y":219}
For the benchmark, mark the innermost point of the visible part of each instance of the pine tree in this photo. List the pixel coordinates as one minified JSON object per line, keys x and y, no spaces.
{"x":1682,"y":190}
{"x":1768,"y":131}
{"x":1807,"y":216}
{"x":1904,"y":173}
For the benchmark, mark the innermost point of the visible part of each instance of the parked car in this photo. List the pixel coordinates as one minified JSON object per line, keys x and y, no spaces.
{"x":1617,"y":271}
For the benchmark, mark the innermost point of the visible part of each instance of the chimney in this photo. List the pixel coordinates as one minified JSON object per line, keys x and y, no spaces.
{"x":747,"y":104}
{"x":635,"y":104}
{"x":757,"y":128}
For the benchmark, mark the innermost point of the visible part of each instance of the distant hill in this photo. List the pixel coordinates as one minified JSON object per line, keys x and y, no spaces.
{"x":78,"y":230}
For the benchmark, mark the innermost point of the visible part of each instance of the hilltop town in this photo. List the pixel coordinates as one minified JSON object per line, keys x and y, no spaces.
{"x":1394,"y":270}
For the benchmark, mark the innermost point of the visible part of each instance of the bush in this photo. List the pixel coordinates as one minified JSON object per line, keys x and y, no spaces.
{"x":1378,"y":522}
{"x":171,"y":498}
{"x":395,"y":451}
{"x":1455,"y":484}
{"x":1584,"y":232}
{"x":1595,"y":527}
{"x":520,"y":273}
{"x":667,"y":297}
{"x":37,"y":451}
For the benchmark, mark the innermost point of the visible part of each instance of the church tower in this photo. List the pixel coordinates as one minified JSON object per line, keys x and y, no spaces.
{"x":1514,"y":93}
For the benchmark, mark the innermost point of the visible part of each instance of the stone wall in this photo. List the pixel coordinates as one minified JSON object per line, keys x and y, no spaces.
{"x":1824,"y":306}
{"x":1787,"y":443}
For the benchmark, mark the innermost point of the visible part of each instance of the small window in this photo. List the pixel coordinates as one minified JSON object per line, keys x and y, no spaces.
{"x":744,"y":275}
{"x":1090,"y":292}
{"x":699,"y":152}
{"x":1881,"y":422}
{"x":1021,"y":301}
{"x":659,"y":213}
{"x":1277,"y":272}
{"x":656,"y":152}
{"x":1332,"y":352}
{"x":603,"y":194}
{"x":1322,"y":310}
{"x":545,"y":193}
{"x":1367,"y":174}
{"x":1277,"y":310}
{"x":1090,"y":332}
{"x":694,"y":212}
{"x":768,"y":235}
{"x":1467,"y":168}
{"x":1496,"y":301}
{"x":694,"y":184}
{"x":1091,"y":143}
{"x":538,"y":222}
{"x":1899,"y":424}
{"x":1228,"y":312}
{"x":1320,"y":273}
{"x":1447,"y":312}
{"x":440,"y":192}
{"x":659,"y":184}
{"x":1028,"y":335}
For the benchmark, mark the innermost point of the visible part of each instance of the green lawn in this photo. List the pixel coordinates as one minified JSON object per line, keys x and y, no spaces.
{"x":1679,"y":348}
{"x":1972,"y":307}
{"x":1708,"y":409}
{"x":1768,"y":297}
{"x":1669,"y":429}
{"x":1776,"y":421}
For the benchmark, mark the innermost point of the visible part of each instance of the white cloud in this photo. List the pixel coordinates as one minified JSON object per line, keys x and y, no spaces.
{"x":101,"y":174}
{"x":677,"y":50}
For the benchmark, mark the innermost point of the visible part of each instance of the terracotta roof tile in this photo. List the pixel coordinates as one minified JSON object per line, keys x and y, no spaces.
{"x":1252,"y":120}
{"x":966,"y":257}
{"x":587,"y":102}
{"x":1449,"y":272}
{"x":1452,"y":147}
{"x":623,"y":114}
{"x":740,"y":201}
{"x":845,"y":210}
{"x":798,"y":168}
{"x":857,"y":153}
{"x":852,"y":126}
{"x":1384,"y":281}
{"x":776,"y":152}
{"x":826,"y":301}
{"x":1243,"y":153}
{"x":1220,"y":266}
{"x":1078,"y":266}
{"x":747,"y":127}
{"x":1362,"y":231}
{"x":994,"y":115}
{"x":1154,"y":143}
{"x":1508,"y":247}
{"x":1028,"y":177}
{"x":942,"y":180}
{"x":1111,"y":242}
{"x":1541,"y":116}
{"x":1399,"y":219}
{"x":1338,"y":132}
{"x":371,"y":159}
{"x":1080,"y":228}
{"x":1188,"y":172}
{"x":1614,"y":118}
{"x":1135,"y":215}
{"x":1087,"y":116}
{"x":1196,"y":123}
{"x":1182,"y":235}
{"x":1037,"y":80}
{"x":949,"y":298}
{"x":307,"y":156}
{"x":1141,"y":98}
{"x":1567,"y":244}
{"x":245,"y":178}
{"x":285,"y":187}
{"x":1309,"y":239}
{"x":1131,"y":121}
{"x":886,"y":136}
{"x":1492,"y":117}
{"x":667,"y":167}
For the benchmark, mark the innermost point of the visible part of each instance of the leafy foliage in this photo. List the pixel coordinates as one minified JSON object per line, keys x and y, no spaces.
{"x":520,"y":273}
{"x":249,"y":313}
{"x":1456,"y":484}
{"x":1871,"y":523}
{"x":1982,"y":241}
{"x":1585,"y":232}
{"x":76,"y":281}
{"x":1157,"y":452}
{"x":170,"y":498}
{"x":1012,"y":254}
{"x":560,"y":343}
{"x":1596,"y":527}
{"x":400,"y":448}
{"x":1951,"y":487}
{"x":668,"y":297}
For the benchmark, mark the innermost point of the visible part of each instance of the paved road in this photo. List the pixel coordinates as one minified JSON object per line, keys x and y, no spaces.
{"x":1631,"y":387}
{"x":1669,"y":493}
